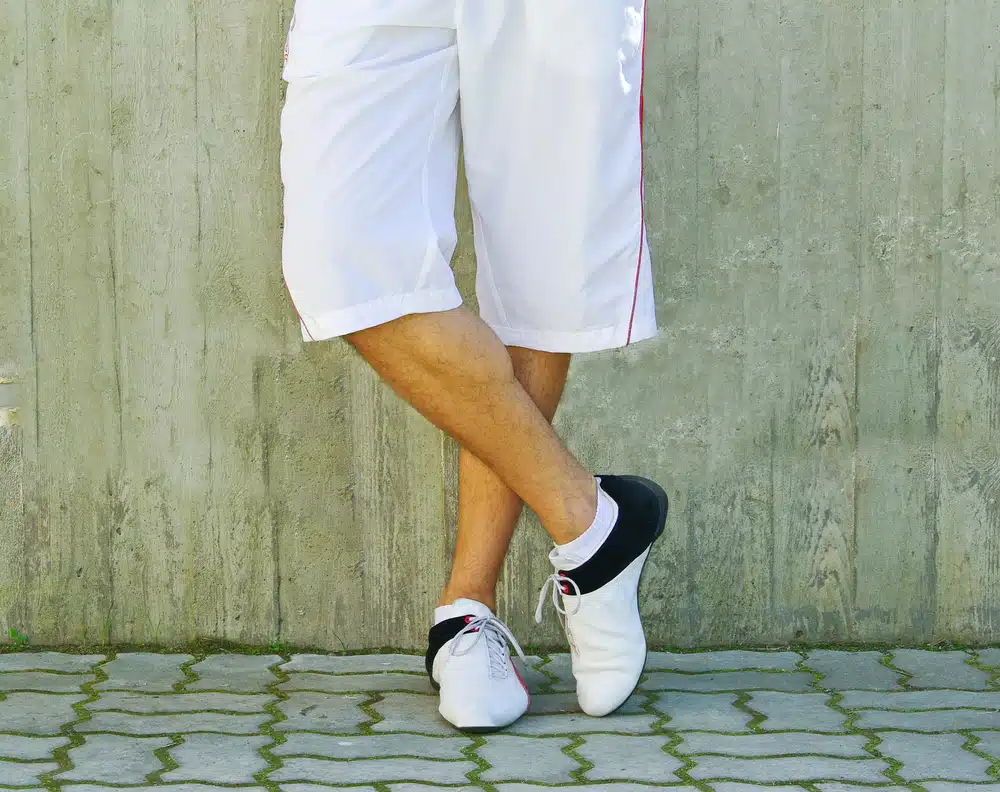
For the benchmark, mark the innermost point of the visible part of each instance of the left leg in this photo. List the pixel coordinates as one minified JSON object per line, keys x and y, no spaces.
{"x":488,"y":509}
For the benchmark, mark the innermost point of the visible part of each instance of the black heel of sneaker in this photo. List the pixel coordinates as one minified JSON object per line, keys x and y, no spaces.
{"x":438,"y":636}
{"x":642,"y":516}
{"x":661,"y":497}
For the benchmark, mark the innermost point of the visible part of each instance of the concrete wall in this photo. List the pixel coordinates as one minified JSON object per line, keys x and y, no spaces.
{"x":823,"y":402}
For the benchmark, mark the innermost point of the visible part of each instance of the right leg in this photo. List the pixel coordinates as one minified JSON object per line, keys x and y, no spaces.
{"x":455,"y":371}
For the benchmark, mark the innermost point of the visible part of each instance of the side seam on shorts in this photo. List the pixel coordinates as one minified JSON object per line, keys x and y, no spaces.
{"x":642,"y":175}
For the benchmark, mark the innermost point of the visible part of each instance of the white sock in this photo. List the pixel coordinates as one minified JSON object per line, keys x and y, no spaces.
{"x":461,"y":607}
{"x":572,"y":554}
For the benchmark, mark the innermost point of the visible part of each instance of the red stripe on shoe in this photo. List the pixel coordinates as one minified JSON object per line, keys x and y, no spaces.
{"x":642,"y":177}
{"x":521,"y":680}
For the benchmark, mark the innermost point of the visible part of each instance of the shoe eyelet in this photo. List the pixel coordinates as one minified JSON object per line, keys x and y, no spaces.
{"x":468,"y":619}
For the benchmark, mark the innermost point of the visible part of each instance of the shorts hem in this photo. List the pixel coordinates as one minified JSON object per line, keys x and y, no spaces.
{"x":577,"y":342}
{"x":385,"y":309}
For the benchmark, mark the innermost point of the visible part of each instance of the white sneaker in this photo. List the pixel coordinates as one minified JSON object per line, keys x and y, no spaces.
{"x":601,"y":615}
{"x":469,"y":663}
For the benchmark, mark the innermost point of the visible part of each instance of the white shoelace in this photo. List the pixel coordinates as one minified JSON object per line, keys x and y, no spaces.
{"x":497,"y":636}
{"x":557,"y":582}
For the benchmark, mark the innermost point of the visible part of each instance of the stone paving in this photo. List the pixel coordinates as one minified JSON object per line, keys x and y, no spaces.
{"x":732,"y":721}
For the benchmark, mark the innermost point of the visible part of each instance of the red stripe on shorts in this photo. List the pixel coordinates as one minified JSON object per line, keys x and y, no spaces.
{"x":642,"y":178}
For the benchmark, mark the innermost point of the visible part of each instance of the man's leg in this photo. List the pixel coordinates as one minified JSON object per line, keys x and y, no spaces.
{"x":455,"y":371}
{"x":488,"y":509}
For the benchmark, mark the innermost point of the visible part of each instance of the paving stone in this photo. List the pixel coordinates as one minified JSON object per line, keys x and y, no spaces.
{"x":120,"y":760}
{"x":48,"y":661}
{"x":852,"y":670}
{"x":735,"y":786}
{"x":124,"y":723}
{"x":538,"y":759}
{"x":367,"y":771}
{"x":946,"y":786}
{"x":372,"y":747}
{"x":560,"y":666}
{"x":722,"y":661}
{"x":574,"y":723}
{"x":549,"y":703}
{"x":702,"y":712}
{"x":990,"y":658}
{"x":619,"y":758}
{"x":349,"y":683}
{"x":834,"y":787}
{"x":218,"y":758}
{"x":553,"y":703}
{"x":989,"y":742}
{"x":411,"y":712}
{"x":584,"y":788}
{"x":927,"y":756}
{"x":533,"y":678}
{"x":44,"y":682}
{"x":323,"y":712}
{"x":319,"y":788}
{"x":921,"y":700}
{"x":28,"y":748}
{"x":173,"y":788}
{"x":366,"y":664}
{"x":152,"y":673}
{"x":939,"y":669}
{"x":422,"y":788}
{"x":937,"y":721}
{"x":797,"y":712}
{"x":798,"y":768}
{"x":153,"y":703}
{"x":235,"y":673}
{"x":728,"y":680}
{"x":20,"y":774}
{"x":37,"y":713}
{"x":786,"y":744}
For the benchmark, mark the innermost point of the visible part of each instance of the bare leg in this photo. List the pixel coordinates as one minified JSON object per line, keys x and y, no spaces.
{"x":455,"y":371}
{"x":487,"y":508}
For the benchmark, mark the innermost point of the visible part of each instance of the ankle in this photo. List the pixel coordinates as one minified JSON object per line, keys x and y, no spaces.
{"x":580,"y":509}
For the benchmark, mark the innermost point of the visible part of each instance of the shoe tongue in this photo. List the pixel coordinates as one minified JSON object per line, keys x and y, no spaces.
{"x":461,"y":607}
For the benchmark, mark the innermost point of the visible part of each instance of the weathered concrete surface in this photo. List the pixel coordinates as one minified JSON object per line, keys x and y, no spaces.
{"x":15,"y":350}
{"x":823,"y":402}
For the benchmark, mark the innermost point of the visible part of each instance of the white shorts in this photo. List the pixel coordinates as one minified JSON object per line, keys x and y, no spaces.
{"x":551,"y":122}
